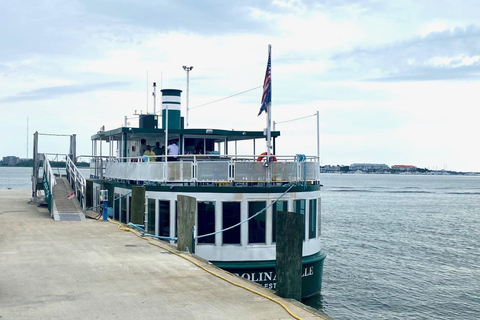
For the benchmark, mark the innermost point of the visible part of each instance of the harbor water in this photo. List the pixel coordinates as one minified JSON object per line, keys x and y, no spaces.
{"x":399,"y":246}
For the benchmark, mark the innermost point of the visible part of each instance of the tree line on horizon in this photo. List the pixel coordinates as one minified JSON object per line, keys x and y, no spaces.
{"x":54,"y":164}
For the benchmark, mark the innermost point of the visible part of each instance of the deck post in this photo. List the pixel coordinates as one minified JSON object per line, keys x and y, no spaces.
{"x":186,"y":212}
{"x":289,"y":254}
{"x":138,"y":205}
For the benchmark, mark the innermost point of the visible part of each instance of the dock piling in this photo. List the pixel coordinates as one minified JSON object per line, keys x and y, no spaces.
{"x":186,"y":211}
{"x":138,"y":205}
{"x":289,"y":254}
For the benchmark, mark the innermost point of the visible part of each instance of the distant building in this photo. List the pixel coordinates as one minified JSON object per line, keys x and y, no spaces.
{"x":402,"y":167}
{"x":10,"y":160}
{"x":368,"y":167}
{"x":329,"y":168}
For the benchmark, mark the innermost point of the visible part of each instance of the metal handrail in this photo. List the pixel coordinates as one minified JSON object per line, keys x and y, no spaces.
{"x":77,"y":181}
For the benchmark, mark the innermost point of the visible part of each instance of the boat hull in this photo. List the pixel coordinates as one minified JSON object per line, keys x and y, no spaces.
{"x":264,"y":273}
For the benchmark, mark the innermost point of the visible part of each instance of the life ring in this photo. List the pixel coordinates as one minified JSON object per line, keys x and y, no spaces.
{"x":263,"y":155}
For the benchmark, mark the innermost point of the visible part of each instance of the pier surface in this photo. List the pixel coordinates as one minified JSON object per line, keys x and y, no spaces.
{"x":92,"y":270}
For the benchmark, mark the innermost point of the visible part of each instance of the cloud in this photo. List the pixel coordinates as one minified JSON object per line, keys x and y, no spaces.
{"x":58,"y":91}
{"x":449,"y":54}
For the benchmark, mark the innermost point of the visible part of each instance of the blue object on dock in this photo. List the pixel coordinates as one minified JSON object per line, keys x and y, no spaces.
{"x":105,"y":210}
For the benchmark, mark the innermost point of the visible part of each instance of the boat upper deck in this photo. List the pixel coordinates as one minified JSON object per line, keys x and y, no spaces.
{"x":211,"y":169}
{"x":204,"y":158}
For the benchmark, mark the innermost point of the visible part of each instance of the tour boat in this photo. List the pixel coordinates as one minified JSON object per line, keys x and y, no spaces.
{"x":229,"y":189}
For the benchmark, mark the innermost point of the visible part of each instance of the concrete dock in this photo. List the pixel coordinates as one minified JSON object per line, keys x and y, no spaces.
{"x":92,"y":270}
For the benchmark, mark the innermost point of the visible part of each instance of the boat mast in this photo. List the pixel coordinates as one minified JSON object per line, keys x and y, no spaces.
{"x":154,"y":98}
{"x":147,"y":91}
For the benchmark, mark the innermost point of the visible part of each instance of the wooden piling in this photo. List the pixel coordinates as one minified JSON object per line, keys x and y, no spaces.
{"x":186,"y":212}
{"x":289,"y":254}
{"x":138,"y":205}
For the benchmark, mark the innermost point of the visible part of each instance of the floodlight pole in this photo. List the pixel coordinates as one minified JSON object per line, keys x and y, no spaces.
{"x":188,"y":69}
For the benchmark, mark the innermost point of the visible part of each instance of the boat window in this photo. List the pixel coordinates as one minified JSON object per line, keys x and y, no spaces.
{"x":231,"y":216}
{"x":194,"y":146}
{"x":96,"y":197}
{"x":116,"y":211}
{"x":209,"y":145}
{"x":319,"y":228}
{"x":278,"y":206}
{"x":151,"y":216}
{"x":199,"y":145}
{"x":256,"y":226}
{"x":164,"y":218}
{"x":299,"y":207}
{"x":312,"y":219}
{"x":189,"y":145}
{"x":206,"y":221}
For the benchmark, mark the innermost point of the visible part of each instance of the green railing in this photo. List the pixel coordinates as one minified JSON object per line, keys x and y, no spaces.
{"x":48,"y":182}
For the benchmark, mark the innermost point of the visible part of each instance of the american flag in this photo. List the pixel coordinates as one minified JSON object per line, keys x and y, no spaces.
{"x":267,"y":87}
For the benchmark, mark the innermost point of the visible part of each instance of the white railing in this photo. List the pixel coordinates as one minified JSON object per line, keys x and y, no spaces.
{"x":77,"y":181}
{"x":214,"y":169}
{"x":97,"y":165}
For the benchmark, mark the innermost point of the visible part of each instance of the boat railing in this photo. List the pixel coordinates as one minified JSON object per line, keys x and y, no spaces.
{"x":218,"y":169}
{"x":77,"y":181}
{"x":97,"y":165}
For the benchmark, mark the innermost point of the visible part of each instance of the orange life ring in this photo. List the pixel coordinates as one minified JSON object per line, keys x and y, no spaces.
{"x":263,"y":156}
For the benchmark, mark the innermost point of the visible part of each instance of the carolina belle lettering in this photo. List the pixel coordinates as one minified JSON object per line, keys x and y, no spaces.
{"x":268,"y":278}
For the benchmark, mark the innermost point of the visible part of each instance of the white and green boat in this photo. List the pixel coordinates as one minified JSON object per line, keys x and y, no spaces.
{"x":229,"y":189}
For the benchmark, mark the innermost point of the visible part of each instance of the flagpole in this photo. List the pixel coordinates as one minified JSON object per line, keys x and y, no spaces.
{"x":267,"y":107}
{"x":269,"y":119}
{"x":269,"y":114}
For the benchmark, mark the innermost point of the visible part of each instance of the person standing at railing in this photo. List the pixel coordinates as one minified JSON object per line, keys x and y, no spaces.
{"x":158,"y":151}
{"x":150,"y":154}
{"x":143,"y":147}
{"x":172,"y":150}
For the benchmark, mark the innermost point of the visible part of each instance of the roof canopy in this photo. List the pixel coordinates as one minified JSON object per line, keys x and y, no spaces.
{"x":216,"y":134}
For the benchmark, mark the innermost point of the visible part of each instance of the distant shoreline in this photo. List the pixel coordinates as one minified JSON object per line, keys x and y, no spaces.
{"x":430,"y":173}
{"x":53,"y":165}
{"x":322,"y":170}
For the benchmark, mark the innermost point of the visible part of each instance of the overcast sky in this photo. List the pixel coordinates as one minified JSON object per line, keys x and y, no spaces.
{"x":394,"y":82}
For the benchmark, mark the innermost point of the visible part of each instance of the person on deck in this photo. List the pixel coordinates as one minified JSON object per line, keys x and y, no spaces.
{"x":172,"y":150}
{"x":149,"y":153}
{"x":143,"y":147}
{"x":158,"y":151}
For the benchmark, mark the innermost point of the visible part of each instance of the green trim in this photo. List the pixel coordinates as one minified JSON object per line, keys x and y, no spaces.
{"x":239,"y":189}
{"x":217,"y":134}
{"x":266,"y":263}
{"x":264,"y":273}
{"x":170,"y":102}
{"x":171,"y":92}
{"x":215,"y":189}
{"x":46,"y":190}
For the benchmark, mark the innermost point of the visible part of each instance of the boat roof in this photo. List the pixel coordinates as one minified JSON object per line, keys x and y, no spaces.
{"x":220,"y":134}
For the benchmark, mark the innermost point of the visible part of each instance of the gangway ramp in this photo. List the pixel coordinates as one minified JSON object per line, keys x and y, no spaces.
{"x":63,"y":208}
